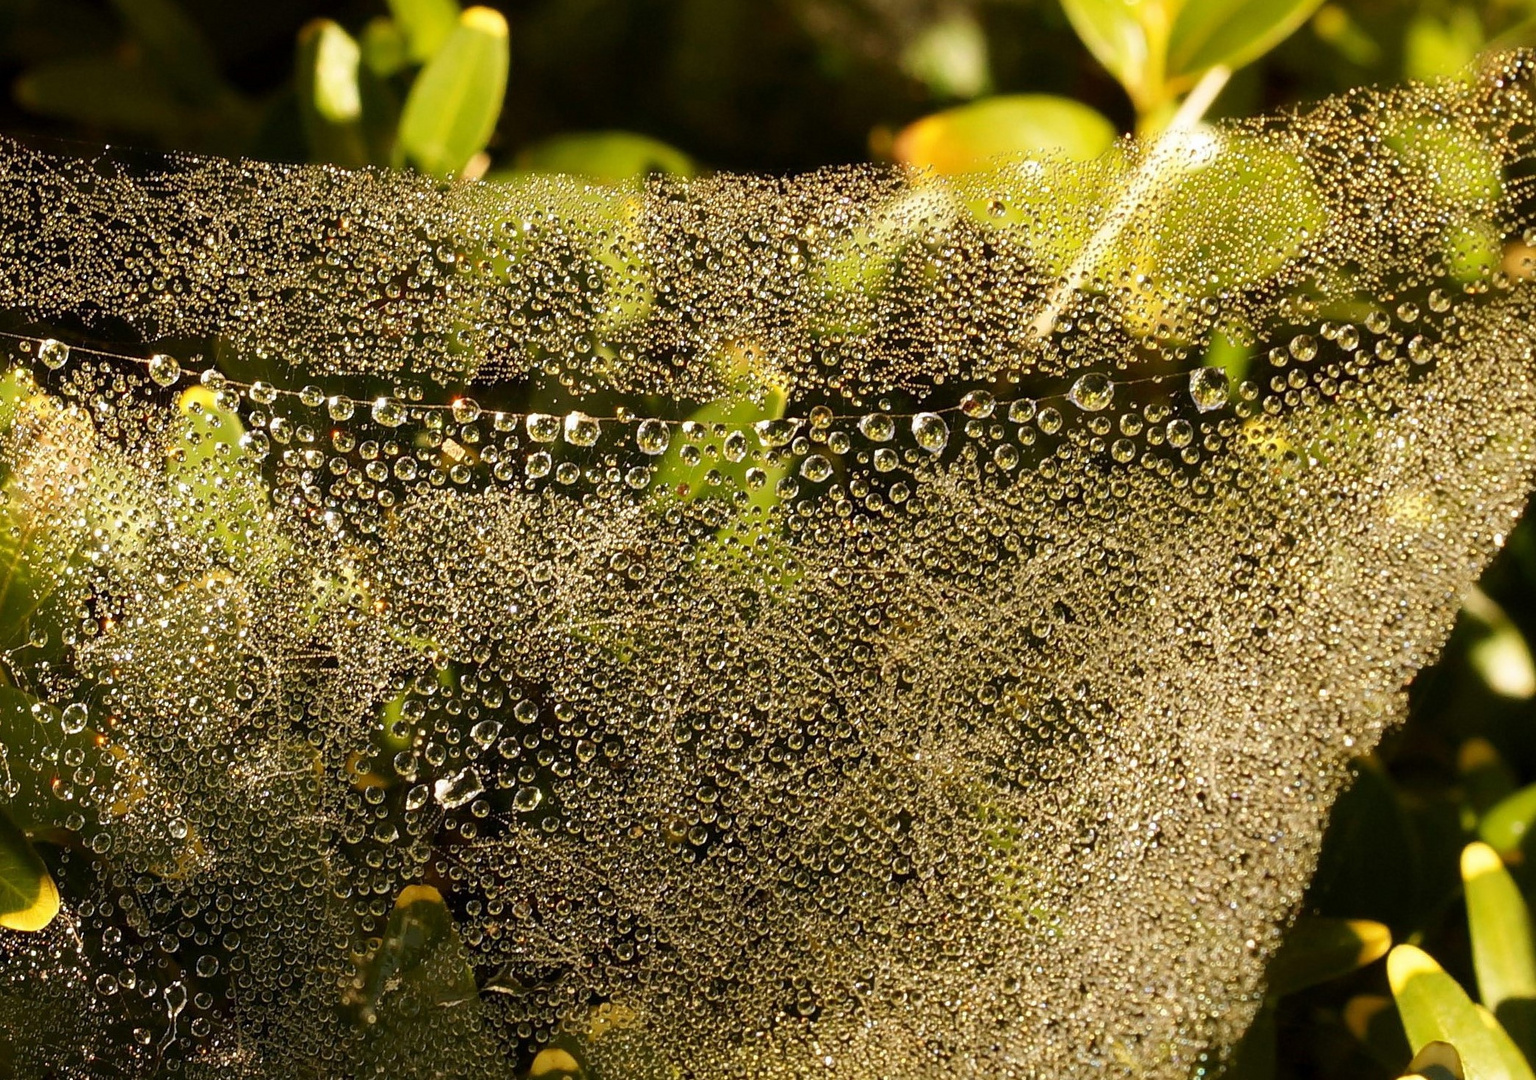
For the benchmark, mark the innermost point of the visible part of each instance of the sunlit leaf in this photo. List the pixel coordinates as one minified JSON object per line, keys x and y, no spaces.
{"x":452,"y":108}
{"x":424,"y":24}
{"x":330,"y":99}
{"x":1502,"y":951}
{"x":1113,"y":34}
{"x":1436,"y":1061}
{"x":1434,"y":1008}
{"x":1231,"y":32}
{"x":29,"y":900}
{"x":970,"y":137}
{"x":1504,"y":826}
{"x":606,"y":156}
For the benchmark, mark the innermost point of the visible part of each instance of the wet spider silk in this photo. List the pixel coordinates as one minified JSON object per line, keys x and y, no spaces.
{"x":860,"y":624}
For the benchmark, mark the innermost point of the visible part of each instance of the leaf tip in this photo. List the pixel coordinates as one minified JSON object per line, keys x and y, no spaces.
{"x":1477,"y":859}
{"x":484,"y":20}
{"x":1407,"y":962}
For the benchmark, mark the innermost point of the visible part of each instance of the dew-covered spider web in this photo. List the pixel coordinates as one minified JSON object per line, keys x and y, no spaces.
{"x":854,"y":625}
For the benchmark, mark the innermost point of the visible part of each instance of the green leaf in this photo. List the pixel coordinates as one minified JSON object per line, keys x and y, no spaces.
{"x":215,"y":475}
{"x":606,"y":156}
{"x":1115,"y":36}
{"x":1318,"y":949}
{"x":1231,"y":32}
{"x":972,"y":137}
{"x":1502,"y":951}
{"x":29,"y":899}
{"x":330,"y":98}
{"x":1434,"y":1008}
{"x":1439,"y":50}
{"x":424,"y":24}
{"x":1500,"y":654}
{"x":453,"y":105}
{"x":1503,"y":827}
{"x":949,"y":56}
{"x":384,"y":48}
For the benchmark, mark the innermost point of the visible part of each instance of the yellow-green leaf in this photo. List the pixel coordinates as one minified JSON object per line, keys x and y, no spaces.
{"x":29,"y":900}
{"x":1503,"y":827}
{"x":1485,"y":777}
{"x":453,"y":105}
{"x":1502,"y":952}
{"x":425,"y":25}
{"x":330,"y":98}
{"x":971,"y":137}
{"x":1318,"y":949}
{"x":1437,"y":1061}
{"x":606,"y":156}
{"x":1434,"y":1008}
{"x":1114,"y":35}
{"x":1231,"y":33}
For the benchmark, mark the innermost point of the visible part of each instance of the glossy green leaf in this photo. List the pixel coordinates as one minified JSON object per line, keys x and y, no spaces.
{"x":1434,"y":1008}
{"x":1318,"y":949}
{"x":971,"y":137}
{"x":453,"y":105}
{"x":1502,"y":951}
{"x":330,"y":98}
{"x":606,"y":156}
{"x":1231,"y":33}
{"x":424,"y":25}
{"x":29,"y":900}
{"x":1115,"y":36}
{"x":217,"y":473}
{"x":1504,"y":826}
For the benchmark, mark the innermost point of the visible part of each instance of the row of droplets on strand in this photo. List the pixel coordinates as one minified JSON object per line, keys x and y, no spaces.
{"x":1208,"y":387}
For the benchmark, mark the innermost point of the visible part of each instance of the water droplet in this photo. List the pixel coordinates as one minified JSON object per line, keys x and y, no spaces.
{"x":542,"y":427}
{"x":1208,"y":388}
{"x":207,"y":966}
{"x":581,"y":429}
{"x":816,"y":468}
{"x":539,"y":465}
{"x":1048,"y":420}
{"x":262,"y":393}
{"x":525,"y":711}
{"x":456,"y":789}
{"x":311,"y":396}
{"x":74,"y":718}
{"x":466,"y":410}
{"x":1180,"y":433}
{"x":339,"y":408}
{"x":164,"y":370}
{"x":389,"y":412}
{"x":53,"y":354}
{"x":485,"y":732}
{"x":416,"y":798}
{"x":1092,"y":392}
{"x":653,"y":437}
{"x":930,"y":431}
{"x":1022,"y":410}
{"x":1303,"y":347}
{"x":877,"y":427}
{"x":774,"y":433}
{"x":978,"y":404}
{"x":526,"y":799}
{"x":886,"y":459}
